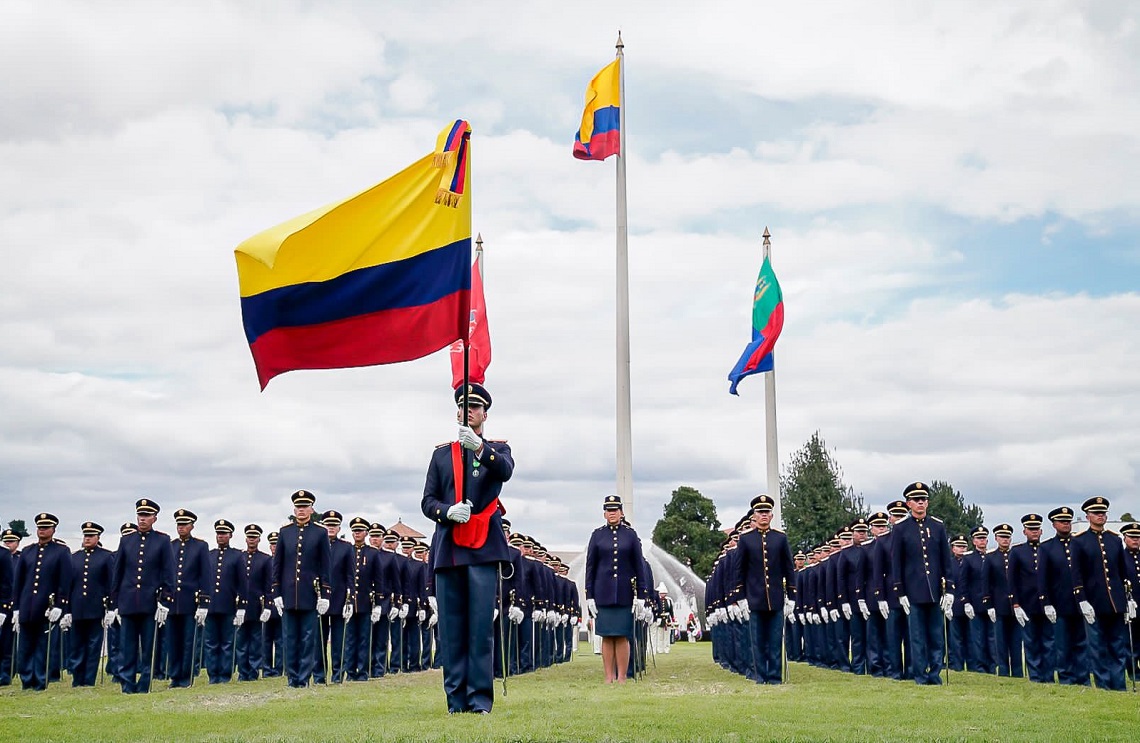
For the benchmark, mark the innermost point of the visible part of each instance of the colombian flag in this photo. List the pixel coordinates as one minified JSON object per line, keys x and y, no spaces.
{"x":767,"y":322}
{"x":381,"y":277}
{"x":600,"y":133}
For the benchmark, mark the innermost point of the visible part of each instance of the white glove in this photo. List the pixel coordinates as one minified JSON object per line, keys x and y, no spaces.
{"x":53,"y":614}
{"x":801,"y":617}
{"x":574,"y":621}
{"x":824,"y":616}
{"x":393,"y":613}
{"x":835,"y":615}
{"x":1088,"y":611}
{"x":404,"y":611}
{"x":347,"y":612}
{"x":239,"y":617}
{"x":846,"y":610}
{"x":1020,"y":615}
{"x":460,"y":513}
{"x":551,"y":617}
{"x":433,"y":604}
{"x":884,"y":609}
{"x":864,"y":609}
{"x":265,"y":615}
{"x":563,"y":619}
{"x":537,"y":615}
{"x":969,"y":609}
{"x":421,"y":615}
{"x":279,"y":605}
{"x":904,"y":603}
{"x":1130,"y":614}
{"x":789,"y":607}
{"x":16,"y":621}
{"x":65,"y":622}
{"x":992,"y":614}
{"x":3,"y":617}
{"x":949,"y":613}
{"x":108,"y":619}
{"x":375,"y":616}
{"x":160,"y":615}
{"x":515,"y":614}
{"x":322,"y":606}
{"x":790,"y":617}
{"x":947,"y":603}
{"x":733,"y":612}
{"x":1050,"y":613}
{"x":200,"y":616}
{"x":432,"y":620}
{"x":592,"y":608}
{"x":712,"y":620}
{"x":745,"y":613}
{"x":469,"y":439}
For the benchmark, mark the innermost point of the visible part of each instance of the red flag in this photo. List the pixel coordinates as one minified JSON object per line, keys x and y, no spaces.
{"x":479,"y":334}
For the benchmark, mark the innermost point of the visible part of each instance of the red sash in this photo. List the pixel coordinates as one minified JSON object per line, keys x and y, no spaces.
{"x":472,"y":534}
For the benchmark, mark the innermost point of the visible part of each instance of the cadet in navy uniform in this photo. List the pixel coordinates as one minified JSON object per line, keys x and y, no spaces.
{"x":141,"y":592}
{"x":876,"y":622}
{"x":1037,"y":633}
{"x":980,"y":657}
{"x":959,"y":639}
{"x":1098,"y":586}
{"x":613,"y":563}
{"x":253,"y":597}
{"x":767,"y":575}
{"x":11,"y":541}
{"x":113,"y":623}
{"x":272,"y":664}
{"x":887,"y":599}
{"x":42,"y":591}
{"x":391,"y":600}
{"x":225,"y":612}
{"x":851,"y":575}
{"x":358,"y":628}
{"x":191,"y":596}
{"x":1131,"y":534}
{"x":92,"y":568}
{"x":999,"y":605}
{"x":340,"y":606}
{"x":920,"y":568}
{"x":300,"y":587}
{"x":466,"y":576}
{"x":1055,"y":590}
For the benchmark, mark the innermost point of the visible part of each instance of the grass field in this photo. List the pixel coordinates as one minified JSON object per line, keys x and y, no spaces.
{"x":686,"y":697}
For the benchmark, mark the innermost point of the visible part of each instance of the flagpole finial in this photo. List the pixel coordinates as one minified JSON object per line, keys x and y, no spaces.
{"x":619,"y":45}
{"x":479,"y":241}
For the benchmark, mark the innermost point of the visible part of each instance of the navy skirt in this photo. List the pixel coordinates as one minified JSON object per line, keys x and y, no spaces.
{"x":614,"y":621}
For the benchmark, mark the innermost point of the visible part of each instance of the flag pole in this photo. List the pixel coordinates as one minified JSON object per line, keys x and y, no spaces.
{"x":624,"y":426}
{"x":770,"y":421}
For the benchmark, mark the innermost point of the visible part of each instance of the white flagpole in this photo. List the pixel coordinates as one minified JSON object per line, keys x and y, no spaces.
{"x":770,"y":422}
{"x":624,"y":425}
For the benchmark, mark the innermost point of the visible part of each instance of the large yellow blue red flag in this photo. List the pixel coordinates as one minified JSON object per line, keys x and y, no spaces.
{"x":599,"y":136}
{"x":378,"y":278}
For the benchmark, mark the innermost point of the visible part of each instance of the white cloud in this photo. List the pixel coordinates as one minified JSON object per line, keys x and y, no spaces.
{"x":138,"y":154}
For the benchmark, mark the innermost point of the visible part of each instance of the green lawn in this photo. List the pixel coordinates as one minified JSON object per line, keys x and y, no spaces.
{"x":686,"y":697}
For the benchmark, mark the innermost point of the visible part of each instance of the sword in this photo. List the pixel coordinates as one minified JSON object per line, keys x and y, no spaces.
{"x":153,"y":642}
{"x":1131,"y":649}
{"x":946,"y":634}
{"x":194,"y":639}
{"x":326,"y":660}
{"x":503,"y":648}
{"x":47,"y":663}
{"x":233,"y":652}
{"x":343,"y":638}
{"x":102,"y":664}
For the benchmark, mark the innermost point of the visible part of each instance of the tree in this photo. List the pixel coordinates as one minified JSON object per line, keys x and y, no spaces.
{"x":17,"y":525}
{"x":690,"y":530}
{"x":814,"y":499}
{"x":1127,"y":516}
{"x":947,"y":504}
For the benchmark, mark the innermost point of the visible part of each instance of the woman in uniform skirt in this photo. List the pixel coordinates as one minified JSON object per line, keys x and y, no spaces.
{"x":613,"y":562}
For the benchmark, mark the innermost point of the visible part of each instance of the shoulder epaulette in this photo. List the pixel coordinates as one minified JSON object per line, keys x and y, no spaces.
{"x":445,"y":443}
{"x":1110,"y":531}
{"x":496,"y":441}
{"x":937,"y":519}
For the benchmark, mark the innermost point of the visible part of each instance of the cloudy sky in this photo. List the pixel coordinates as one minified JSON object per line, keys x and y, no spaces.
{"x":950,"y":188}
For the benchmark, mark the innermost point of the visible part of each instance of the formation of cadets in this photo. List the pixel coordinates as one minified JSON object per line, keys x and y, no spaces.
{"x":317,"y":608}
{"x":892,"y":595}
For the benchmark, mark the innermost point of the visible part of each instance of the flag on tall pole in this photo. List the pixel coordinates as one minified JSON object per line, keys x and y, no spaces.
{"x":378,"y":278}
{"x":479,"y":333}
{"x":602,"y":133}
{"x":767,"y":322}
{"x":599,"y":135}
